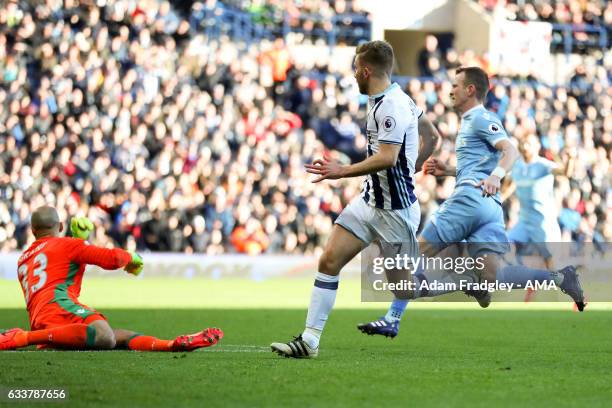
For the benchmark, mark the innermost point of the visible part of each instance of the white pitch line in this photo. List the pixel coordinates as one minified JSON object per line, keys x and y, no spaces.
{"x":242,"y":346}
{"x":237,"y":348}
{"x":219,"y":350}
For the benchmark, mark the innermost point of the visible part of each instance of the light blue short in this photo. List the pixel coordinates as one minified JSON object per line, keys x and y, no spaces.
{"x":468,"y":216}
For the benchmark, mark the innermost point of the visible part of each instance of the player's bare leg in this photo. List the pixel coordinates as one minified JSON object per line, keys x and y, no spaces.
{"x":395,"y":275}
{"x":429,"y":249}
{"x":388,"y":325}
{"x":104,"y":335}
{"x":341,"y":247}
{"x":488,"y":273}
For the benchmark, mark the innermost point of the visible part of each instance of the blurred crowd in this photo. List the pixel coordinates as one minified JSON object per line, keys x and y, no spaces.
{"x":578,"y":13}
{"x":593,"y":12}
{"x":169,"y":141}
{"x":312,"y":19}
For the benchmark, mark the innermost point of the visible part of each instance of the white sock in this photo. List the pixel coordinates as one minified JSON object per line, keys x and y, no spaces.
{"x":312,"y":337}
{"x":321,"y":303}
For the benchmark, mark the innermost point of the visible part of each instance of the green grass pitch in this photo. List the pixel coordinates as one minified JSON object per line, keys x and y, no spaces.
{"x":453,"y":356}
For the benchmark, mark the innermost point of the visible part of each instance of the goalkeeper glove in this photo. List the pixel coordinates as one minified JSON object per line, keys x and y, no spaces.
{"x":136,"y":264}
{"x":80,"y":227}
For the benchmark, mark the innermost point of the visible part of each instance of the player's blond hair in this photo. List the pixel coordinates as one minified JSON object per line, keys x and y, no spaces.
{"x":378,"y":54}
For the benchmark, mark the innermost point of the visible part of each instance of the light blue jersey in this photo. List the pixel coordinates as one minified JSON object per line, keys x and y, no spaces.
{"x":475,"y":145}
{"x":534,"y":190}
{"x":466,"y":214}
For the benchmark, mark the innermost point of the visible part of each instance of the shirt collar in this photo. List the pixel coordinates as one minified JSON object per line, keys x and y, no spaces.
{"x":480,"y":105}
{"x":389,"y":89}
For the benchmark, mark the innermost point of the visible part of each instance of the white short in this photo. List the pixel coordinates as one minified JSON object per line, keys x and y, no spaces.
{"x":374,"y":224}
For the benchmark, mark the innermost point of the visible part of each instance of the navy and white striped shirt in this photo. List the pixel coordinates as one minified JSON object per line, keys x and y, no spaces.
{"x":392,"y":118}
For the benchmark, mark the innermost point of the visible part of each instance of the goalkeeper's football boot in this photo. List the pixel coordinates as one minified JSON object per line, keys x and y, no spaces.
{"x":296,"y":348}
{"x":7,"y":339}
{"x":483,"y":297}
{"x":381,"y":327}
{"x":206,"y":338}
{"x":571,"y":286}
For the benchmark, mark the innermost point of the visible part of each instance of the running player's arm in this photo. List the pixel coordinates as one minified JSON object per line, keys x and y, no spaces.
{"x":105,"y":258}
{"x":438,"y":168}
{"x":564,"y":168}
{"x":509,"y":154}
{"x":391,"y":124}
{"x":508,"y":186}
{"x":429,"y":139}
{"x":385,"y":158}
{"x":326,"y":169}
{"x":493,"y":132}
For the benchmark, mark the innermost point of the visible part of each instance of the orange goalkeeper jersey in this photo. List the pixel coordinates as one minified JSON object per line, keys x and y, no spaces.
{"x":51,"y":269}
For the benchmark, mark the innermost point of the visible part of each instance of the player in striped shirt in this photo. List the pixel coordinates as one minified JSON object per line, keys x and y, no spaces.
{"x":387,"y":209}
{"x":51,"y":271}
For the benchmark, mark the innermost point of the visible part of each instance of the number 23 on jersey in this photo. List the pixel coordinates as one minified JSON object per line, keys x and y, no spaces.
{"x":39,"y":275}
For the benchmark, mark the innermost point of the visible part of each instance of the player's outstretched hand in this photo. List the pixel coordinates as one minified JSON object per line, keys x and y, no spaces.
{"x":326,"y":169}
{"x":490,"y":186}
{"x":81,"y":227}
{"x":434,"y":167}
{"x":136,"y":264}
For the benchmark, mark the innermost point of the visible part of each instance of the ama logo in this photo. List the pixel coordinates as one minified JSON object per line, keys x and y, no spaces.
{"x":388,"y":124}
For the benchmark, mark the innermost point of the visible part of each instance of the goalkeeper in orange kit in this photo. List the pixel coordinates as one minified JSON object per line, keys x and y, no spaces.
{"x":51,"y":271}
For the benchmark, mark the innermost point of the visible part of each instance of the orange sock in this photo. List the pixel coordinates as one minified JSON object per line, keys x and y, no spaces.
{"x":73,"y":336}
{"x":149,"y":343}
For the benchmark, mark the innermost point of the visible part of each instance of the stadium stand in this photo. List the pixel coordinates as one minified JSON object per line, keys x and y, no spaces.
{"x":172,"y":138}
{"x":334,"y":22}
{"x":578,"y":26}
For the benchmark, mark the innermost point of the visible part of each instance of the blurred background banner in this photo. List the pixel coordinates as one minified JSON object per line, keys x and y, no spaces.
{"x":521,"y":48}
{"x":182,"y":266}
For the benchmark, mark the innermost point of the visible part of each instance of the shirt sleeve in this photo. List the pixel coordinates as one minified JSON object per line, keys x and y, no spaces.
{"x":418,"y":112}
{"x":548,"y":166}
{"x":490,"y":129}
{"x":392,"y":122}
{"x":105,"y":258}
